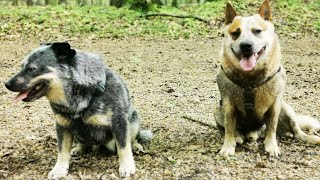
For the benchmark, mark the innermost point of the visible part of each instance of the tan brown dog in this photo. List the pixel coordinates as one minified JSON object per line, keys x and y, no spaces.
{"x":252,"y":83}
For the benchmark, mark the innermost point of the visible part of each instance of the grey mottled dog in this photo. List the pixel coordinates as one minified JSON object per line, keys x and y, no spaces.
{"x":90,"y":102}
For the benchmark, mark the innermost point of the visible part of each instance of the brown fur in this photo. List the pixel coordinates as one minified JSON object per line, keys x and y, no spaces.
{"x":269,"y":107}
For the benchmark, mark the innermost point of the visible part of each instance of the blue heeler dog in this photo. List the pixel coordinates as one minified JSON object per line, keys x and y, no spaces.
{"x":90,"y":102}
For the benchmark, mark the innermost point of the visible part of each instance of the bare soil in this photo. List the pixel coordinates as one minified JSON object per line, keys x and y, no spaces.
{"x":169,"y":80}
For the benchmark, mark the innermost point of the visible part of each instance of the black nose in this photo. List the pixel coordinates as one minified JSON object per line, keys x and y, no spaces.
{"x":7,"y":84}
{"x":246,"y":48}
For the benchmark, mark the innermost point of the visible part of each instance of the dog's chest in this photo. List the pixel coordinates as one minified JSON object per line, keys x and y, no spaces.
{"x":87,"y":126}
{"x":88,"y":133}
{"x":254,"y":105}
{"x":265,"y":98}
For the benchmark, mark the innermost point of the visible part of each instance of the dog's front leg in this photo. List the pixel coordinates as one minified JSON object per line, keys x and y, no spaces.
{"x":228,"y":147}
{"x":65,"y":139}
{"x":270,"y":141}
{"x":123,"y":142}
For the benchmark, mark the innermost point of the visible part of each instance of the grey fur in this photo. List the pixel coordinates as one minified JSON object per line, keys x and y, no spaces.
{"x":80,"y":109}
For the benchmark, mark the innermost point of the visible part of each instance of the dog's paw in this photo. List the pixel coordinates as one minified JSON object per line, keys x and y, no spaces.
{"x":58,"y":172}
{"x":76,"y":151}
{"x":227,"y":150}
{"x":272,"y":147}
{"x":137,"y":148}
{"x":239,"y":139}
{"x":127,"y":168}
{"x":252,"y":136}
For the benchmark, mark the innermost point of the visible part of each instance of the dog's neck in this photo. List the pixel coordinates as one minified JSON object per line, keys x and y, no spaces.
{"x":80,"y":97}
{"x":249,"y":81}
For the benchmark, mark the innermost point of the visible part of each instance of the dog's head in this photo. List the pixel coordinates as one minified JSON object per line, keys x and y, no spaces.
{"x":39,"y":71}
{"x":248,"y":40}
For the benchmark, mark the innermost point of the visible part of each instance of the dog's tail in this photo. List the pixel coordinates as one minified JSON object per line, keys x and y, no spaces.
{"x":144,"y":136}
{"x":299,"y":122}
{"x":307,"y":122}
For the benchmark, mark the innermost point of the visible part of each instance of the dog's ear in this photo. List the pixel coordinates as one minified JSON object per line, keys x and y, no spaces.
{"x":63,"y":51}
{"x":230,"y":13}
{"x":265,"y":11}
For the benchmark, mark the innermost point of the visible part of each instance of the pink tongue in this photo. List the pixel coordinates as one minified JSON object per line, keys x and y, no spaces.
{"x":248,"y":63}
{"x":21,"y":96}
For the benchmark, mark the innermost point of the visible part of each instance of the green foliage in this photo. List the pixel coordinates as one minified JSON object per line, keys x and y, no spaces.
{"x":141,"y":5}
{"x":51,"y":22}
{"x":298,"y":16}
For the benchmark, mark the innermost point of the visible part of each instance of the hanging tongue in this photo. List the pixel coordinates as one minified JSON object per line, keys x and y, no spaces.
{"x":21,"y":96}
{"x":248,"y":63}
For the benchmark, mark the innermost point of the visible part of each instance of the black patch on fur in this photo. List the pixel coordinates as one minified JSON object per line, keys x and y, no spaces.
{"x":246,"y":124}
{"x":60,"y":131}
{"x":120,"y":129}
{"x":63,"y":51}
{"x":134,"y":116}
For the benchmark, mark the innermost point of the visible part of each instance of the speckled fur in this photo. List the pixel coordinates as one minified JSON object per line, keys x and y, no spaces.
{"x":82,"y":112}
{"x":271,"y":114}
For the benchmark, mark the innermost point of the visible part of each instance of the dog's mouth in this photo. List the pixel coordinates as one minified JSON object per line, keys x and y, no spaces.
{"x":36,"y":91}
{"x":249,"y":61}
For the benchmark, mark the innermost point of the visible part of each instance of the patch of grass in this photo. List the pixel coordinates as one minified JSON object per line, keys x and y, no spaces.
{"x":51,"y":22}
{"x":297,"y":16}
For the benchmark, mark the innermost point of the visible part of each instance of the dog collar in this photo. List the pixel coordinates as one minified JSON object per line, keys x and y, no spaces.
{"x":245,"y":85}
{"x":101,"y":85}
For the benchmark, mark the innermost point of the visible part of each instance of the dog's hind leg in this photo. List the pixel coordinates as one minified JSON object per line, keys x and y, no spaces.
{"x":219,"y":118}
{"x":65,"y":139}
{"x":137,"y":135}
{"x":134,"y":124}
{"x":111,"y":146}
{"x":289,"y":118}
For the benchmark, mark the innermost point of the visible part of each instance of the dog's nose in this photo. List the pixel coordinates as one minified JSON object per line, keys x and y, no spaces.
{"x":246,"y":47}
{"x":7,"y":84}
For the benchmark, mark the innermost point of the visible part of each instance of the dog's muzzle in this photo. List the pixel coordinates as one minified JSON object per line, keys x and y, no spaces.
{"x":247,"y":57}
{"x":33,"y":92}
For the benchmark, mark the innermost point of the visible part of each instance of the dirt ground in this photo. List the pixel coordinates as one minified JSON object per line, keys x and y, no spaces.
{"x":168,"y":80}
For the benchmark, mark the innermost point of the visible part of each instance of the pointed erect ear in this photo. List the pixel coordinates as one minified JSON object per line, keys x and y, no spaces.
{"x":63,"y":51}
{"x":230,"y":13}
{"x":265,"y":11}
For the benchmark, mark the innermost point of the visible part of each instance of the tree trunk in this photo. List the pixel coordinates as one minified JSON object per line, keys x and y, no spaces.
{"x":29,"y":3}
{"x":117,"y":3}
{"x":15,"y":2}
{"x":62,"y":1}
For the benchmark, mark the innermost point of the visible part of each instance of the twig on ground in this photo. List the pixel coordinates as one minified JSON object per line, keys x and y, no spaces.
{"x":177,"y":16}
{"x":199,"y":122}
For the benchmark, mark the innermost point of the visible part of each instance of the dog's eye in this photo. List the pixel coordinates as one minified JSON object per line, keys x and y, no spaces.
{"x":235,"y":34}
{"x":256,"y":31}
{"x":31,"y":69}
